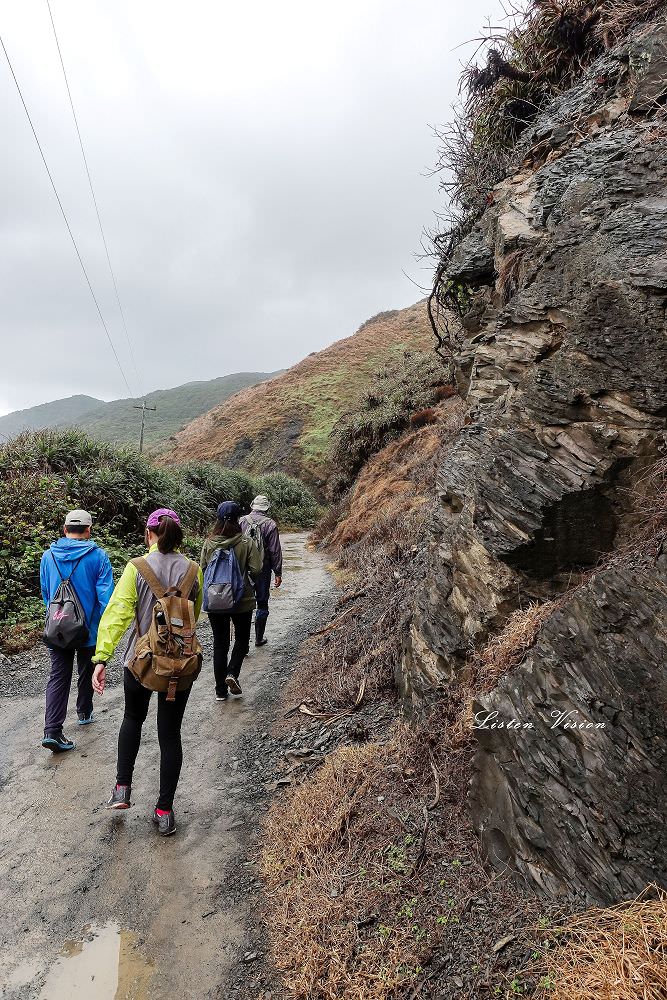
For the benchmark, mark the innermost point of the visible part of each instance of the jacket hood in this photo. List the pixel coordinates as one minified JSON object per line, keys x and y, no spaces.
{"x":70,"y":549}
{"x":227,"y":543}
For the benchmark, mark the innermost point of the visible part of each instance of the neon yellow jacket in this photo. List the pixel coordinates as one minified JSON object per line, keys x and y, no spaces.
{"x":120,"y":611}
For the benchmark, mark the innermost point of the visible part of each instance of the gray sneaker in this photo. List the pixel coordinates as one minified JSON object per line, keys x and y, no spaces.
{"x":120,"y":797}
{"x":166,"y":824}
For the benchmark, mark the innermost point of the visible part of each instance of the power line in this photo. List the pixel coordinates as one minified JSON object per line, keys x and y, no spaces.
{"x":92,"y":192}
{"x":69,"y":228}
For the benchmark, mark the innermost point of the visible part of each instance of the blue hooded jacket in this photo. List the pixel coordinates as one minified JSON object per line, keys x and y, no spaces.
{"x":92,"y":578}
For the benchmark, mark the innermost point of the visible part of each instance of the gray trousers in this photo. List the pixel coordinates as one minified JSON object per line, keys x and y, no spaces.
{"x":60,"y":681}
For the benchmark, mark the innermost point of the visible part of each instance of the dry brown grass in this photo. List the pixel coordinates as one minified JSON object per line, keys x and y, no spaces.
{"x":506,"y":650}
{"x":311,"y":397}
{"x":326,"y":865}
{"x":373,"y":873}
{"x":379,"y":549}
{"x":398,"y":481}
{"x":616,"y":953}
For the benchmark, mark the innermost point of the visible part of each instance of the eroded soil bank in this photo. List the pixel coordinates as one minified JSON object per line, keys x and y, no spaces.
{"x":85,"y":893}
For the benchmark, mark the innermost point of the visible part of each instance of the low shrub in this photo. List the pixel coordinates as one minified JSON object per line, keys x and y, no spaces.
{"x":44,"y":474}
{"x":293,"y":505}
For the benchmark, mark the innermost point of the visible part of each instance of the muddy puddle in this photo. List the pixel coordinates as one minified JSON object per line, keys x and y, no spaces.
{"x":104,"y":964}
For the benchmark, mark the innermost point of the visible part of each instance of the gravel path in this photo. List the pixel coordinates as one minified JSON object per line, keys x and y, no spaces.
{"x":90,"y":894}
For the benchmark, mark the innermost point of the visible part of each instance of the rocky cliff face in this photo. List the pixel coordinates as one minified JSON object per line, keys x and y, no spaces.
{"x":562,"y":361}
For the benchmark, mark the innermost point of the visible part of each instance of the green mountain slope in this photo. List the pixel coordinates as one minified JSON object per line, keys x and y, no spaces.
{"x":59,"y":411}
{"x":119,"y":423}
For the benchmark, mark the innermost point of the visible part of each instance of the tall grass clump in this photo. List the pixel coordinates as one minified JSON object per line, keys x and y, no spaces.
{"x":43,"y":474}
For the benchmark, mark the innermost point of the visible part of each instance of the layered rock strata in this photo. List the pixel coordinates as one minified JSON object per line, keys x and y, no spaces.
{"x":561,"y":358}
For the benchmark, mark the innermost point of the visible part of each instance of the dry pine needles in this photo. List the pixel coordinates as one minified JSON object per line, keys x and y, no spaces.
{"x":616,"y":953}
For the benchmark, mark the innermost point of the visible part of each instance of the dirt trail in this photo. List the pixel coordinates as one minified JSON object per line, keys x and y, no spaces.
{"x":86,"y":893}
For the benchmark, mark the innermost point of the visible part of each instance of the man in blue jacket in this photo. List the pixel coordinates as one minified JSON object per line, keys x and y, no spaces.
{"x":78,"y":557}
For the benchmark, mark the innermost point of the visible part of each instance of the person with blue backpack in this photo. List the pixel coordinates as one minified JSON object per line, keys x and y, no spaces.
{"x":231,"y":563}
{"x":76,"y":582}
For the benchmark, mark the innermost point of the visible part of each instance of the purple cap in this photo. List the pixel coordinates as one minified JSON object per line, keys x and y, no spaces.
{"x":154,"y":518}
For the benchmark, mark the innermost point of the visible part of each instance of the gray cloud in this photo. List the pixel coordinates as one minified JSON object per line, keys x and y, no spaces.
{"x":260,"y":174}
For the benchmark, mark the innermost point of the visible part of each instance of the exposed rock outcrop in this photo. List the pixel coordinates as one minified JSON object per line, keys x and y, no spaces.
{"x":562,"y":360}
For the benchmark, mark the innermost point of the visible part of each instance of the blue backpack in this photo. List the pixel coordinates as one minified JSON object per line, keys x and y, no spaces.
{"x":223,"y":582}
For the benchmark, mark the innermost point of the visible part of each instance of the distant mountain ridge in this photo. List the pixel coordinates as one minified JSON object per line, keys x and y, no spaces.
{"x":58,"y":411}
{"x":118,"y":422}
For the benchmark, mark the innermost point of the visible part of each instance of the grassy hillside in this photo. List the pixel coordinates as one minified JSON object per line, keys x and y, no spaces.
{"x":287,"y":423}
{"x":60,"y":411}
{"x":118,"y":422}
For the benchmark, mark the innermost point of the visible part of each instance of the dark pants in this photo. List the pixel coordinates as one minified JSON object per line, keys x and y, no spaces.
{"x":60,"y":682}
{"x":221,"y":627}
{"x":262,"y":591}
{"x":169,"y":719}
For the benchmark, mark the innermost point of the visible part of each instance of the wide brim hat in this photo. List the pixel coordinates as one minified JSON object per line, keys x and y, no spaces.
{"x":261,"y":504}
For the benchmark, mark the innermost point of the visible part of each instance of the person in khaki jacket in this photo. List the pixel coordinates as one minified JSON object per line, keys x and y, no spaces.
{"x":227,"y":534}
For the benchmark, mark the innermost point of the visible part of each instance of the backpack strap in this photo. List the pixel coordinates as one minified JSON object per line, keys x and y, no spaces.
{"x":71,"y":573}
{"x":188,"y":579}
{"x":62,"y":579}
{"x":143,"y":568}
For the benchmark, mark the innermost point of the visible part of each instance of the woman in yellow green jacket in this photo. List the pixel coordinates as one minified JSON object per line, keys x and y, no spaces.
{"x":133,"y":601}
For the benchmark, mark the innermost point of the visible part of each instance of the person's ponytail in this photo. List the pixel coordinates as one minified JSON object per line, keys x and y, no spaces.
{"x":169,"y":535}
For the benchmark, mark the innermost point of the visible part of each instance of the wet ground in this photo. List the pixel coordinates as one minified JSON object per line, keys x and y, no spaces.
{"x":96,"y":906}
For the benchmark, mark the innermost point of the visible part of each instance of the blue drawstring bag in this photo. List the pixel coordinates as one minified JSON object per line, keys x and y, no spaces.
{"x":223,"y":582}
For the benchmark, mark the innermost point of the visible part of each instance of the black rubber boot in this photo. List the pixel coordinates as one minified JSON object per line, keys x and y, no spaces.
{"x":260,"y":628}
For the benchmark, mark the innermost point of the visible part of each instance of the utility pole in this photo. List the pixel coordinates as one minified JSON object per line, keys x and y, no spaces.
{"x":143,"y":409}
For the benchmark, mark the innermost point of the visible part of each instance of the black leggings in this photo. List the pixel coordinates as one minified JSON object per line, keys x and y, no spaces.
{"x":220,"y":626}
{"x":169,"y":719}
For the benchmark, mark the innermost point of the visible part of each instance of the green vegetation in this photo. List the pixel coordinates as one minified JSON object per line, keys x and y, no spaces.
{"x":409,"y":382}
{"x":45,"y":473}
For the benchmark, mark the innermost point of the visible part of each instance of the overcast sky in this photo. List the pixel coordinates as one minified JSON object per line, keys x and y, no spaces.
{"x":260,"y":170}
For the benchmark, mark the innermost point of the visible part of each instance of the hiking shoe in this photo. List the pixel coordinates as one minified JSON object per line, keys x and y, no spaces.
{"x":85,"y":720}
{"x":233,"y":684}
{"x":120,"y":797}
{"x":166,"y":824}
{"x":58,"y":743}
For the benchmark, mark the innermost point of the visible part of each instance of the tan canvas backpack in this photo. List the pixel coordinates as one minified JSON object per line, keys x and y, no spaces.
{"x":169,"y":656}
